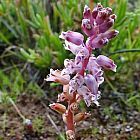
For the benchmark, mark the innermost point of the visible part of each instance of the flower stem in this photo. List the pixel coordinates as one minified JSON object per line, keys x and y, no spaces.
{"x":16,"y":108}
{"x":85,"y":62}
{"x":70,"y":115}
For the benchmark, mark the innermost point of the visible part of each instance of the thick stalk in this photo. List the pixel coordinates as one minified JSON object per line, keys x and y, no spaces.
{"x":70,"y":115}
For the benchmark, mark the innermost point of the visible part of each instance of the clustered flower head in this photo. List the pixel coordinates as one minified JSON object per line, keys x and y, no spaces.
{"x":82,"y":76}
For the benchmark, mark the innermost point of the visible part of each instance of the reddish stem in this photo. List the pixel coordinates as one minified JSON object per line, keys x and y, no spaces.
{"x":70,"y":115}
{"x":70,"y":120}
{"x":85,"y":62}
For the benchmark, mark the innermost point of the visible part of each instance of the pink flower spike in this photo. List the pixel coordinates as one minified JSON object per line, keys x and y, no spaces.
{"x":73,"y":37}
{"x":55,"y":76}
{"x":106,"y":62}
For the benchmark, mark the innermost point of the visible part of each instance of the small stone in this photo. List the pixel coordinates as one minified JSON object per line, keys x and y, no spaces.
{"x":128,"y":128}
{"x":118,"y":128}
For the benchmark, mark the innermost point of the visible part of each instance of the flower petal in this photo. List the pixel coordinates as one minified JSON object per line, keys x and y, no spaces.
{"x":72,"y":47}
{"x":91,"y":83}
{"x":106,"y":62}
{"x":55,"y":75}
{"x":73,"y":37}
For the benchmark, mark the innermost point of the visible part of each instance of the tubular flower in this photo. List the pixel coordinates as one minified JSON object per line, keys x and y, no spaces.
{"x":83,"y":75}
{"x":106,"y":63}
{"x":73,"y":37}
{"x":58,"y":107}
{"x":81,"y":116}
{"x":56,"y":76}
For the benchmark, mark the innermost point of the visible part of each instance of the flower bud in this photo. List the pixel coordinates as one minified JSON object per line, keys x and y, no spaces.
{"x":106,"y":25}
{"x":86,"y":13}
{"x":74,"y":107}
{"x":111,"y":34}
{"x":56,"y":76}
{"x":81,"y":116}
{"x":97,"y":42}
{"x":58,"y":107}
{"x":87,"y":27}
{"x":73,"y":37}
{"x":70,"y":135}
{"x":101,"y":17}
{"x":106,"y":62}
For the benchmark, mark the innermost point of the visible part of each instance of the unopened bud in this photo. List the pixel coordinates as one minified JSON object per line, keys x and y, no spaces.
{"x":70,"y":135}
{"x":111,"y":34}
{"x":86,"y":13}
{"x":81,"y":116}
{"x":58,"y":107}
{"x":74,"y":107}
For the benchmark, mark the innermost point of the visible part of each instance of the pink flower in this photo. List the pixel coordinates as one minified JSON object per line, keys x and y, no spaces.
{"x":97,"y":42}
{"x":71,"y":67}
{"x":87,"y":12}
{"x":75,"y":83}
{"x":106,"y":63}
{"x":91,"y":83}
{"x":82,"y":54}
{"x":55,"y":76}
{"x":95,"y":69}
{"x":103,"y":15}
{"x":99,"y":77}
{"x":73,"y":37}
{"x":72,"y":47}
{"x":89,"y":28}
{"x":86,"y":94}
{"x":106,"y":25}
{"x":110,"y":34}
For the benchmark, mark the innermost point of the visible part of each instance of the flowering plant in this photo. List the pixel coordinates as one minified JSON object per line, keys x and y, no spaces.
{"x":83,"y":75}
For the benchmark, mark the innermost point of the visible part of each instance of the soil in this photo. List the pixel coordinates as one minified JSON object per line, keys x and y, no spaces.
{"x":100,"y":126}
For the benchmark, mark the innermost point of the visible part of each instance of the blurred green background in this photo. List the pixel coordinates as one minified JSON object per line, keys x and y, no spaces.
{"x":30,"y":46}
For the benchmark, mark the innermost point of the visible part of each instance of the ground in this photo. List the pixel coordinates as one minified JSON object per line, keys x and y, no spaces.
{"x":111,"y":122}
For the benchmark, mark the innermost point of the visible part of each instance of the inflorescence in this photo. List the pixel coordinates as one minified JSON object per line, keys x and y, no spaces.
{"x":82,"y":76}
